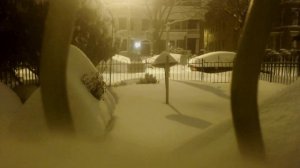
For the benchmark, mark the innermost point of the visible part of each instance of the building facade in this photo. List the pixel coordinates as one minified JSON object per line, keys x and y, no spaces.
{"x":286,"y":27}
{"x":134,"y":29}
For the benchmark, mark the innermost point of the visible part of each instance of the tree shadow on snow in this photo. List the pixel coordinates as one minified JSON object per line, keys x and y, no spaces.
{"x":188,"y":120}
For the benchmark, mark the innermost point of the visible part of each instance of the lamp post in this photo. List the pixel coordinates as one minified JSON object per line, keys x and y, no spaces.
{"x":167,"y":65}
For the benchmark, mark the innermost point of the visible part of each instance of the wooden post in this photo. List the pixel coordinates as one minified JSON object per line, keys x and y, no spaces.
{"x":57,"y":37}
{"x":167,"y":65}
{"x":167,"y":74}
{"x":245,"y":78}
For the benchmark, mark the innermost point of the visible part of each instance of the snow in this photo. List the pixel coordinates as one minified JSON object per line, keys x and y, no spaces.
{"x":150,"y":60}
{"x":217,"y":56}
{"x":25,"y":73}
{"x":9,"y":103}
{"x":153,"y":58}
{"x":119,"y":64}
{"x":280,"y":117}
{"x":194,"y":131}
{"x":121,"y":58}
{"x":91,"y":116}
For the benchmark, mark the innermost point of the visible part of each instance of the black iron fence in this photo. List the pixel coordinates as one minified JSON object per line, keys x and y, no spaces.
{"x":21,"y":75}
{"x":284,"y":72}
{"x":207,"y":72}
{"x":214,"y":72}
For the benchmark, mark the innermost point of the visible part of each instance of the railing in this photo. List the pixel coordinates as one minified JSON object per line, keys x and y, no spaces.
{"x":212,"y":72}
{"x":121,"y":72}
{"x":284,"y":72}
{"x":22,"y":75}
{"x":209,"y":72}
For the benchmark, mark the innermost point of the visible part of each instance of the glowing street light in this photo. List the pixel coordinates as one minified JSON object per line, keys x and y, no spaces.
{"x":137,"y":44}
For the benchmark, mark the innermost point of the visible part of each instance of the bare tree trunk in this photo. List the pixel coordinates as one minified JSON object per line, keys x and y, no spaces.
{"x":57,"y":37}
{"x":245,"y":78}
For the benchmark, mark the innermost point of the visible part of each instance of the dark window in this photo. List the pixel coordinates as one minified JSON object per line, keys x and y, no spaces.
{"x":184,"y":25}
{"x":191,"y":45}
{"x":295,"y":16}
{"x":145,"y":24}
{"x":180,"y":44}
{"x":132,"y":27}
{"x":122,"y":23}
{"x":175,"y":26}
{"x":192,"y":24}
{"x":124,"y":44}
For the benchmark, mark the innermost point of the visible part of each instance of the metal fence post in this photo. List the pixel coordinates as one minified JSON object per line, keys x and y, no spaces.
{"x":110,"y":68}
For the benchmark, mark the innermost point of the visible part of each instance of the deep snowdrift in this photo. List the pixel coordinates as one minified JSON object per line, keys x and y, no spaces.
{"x":280,"y":118}
{"x":91,"y":116}
{"x":9,"y":104}
{"x":280,"y":122}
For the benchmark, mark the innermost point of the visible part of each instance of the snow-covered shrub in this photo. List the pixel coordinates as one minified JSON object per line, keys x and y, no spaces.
{"x":149,"y":78}
{"x":95,"y":84}
{"x":121,"y":83}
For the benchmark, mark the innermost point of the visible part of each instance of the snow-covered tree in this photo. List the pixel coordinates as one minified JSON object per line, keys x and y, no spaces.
{"x":166,"y":12}
{"x":22,"y":24}
{"x":91,"y":32}
{"x":225,"y":20}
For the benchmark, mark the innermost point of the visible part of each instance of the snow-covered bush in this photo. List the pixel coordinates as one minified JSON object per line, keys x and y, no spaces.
{"x":149,"y":78}
{"x":95,"y":84}
{"x":121,"y":83}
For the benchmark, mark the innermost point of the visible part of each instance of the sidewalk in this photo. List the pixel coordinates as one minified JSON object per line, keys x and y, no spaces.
{"x":142,"y":117}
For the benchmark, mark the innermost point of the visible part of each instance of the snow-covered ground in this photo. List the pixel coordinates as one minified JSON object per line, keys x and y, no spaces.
{"x":9,"y":103}
{"x":194,"y":131}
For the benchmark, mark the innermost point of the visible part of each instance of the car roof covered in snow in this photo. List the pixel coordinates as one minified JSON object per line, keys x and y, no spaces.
{"x":223,"y":56}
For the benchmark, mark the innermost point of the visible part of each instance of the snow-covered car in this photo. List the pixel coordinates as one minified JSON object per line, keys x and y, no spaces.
{"x":119,"y":63}
{"x":218,"y":61}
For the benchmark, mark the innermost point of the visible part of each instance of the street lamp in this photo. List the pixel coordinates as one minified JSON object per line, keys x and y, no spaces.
{"x":137,"y":44}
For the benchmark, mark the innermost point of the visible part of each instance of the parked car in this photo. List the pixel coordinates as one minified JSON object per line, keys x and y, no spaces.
{"x":218,"y":61}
